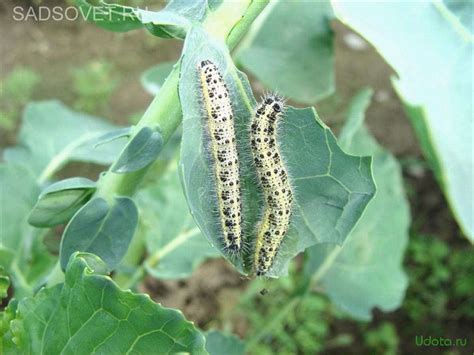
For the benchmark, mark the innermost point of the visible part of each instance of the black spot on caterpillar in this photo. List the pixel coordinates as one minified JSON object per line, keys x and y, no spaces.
{"x":223,"y":149}
{"x":273,"y":180}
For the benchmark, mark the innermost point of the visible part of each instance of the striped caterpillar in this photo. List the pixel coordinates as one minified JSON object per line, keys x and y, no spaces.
{"x":220,"y":127}
{"x":273,"y":179}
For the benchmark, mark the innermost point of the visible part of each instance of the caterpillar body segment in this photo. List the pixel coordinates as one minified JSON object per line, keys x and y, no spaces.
{"x":273,"y":178}
{"x":223,"y":149}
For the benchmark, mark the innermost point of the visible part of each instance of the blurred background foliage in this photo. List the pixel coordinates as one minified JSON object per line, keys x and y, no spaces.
{"x":100,"y":75}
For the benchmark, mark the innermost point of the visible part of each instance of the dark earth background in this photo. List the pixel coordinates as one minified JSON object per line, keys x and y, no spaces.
{"x":438,"y":256}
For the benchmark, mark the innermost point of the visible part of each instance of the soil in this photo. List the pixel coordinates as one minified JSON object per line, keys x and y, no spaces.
{"x":53,"y":49}
{"x":212,"y":291}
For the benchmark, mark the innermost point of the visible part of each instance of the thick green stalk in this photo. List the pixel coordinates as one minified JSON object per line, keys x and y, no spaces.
{"x":163,"y":113}
{"x":243,"y":26}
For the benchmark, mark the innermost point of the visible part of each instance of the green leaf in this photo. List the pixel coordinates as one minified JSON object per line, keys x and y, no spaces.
{"x":170,"y":230}
{"x":113,"y":135}
{"x":52,"y":135}
{"x":172,"y":22}
{"x":103,"y":229}
{"x":22,"y":253}
{"x":369,"y":264}
{"x":432,"y":54}
{"x":218,"y":343}
{"x":60,"y":201}
{"x":7,"y":346}
{"x":75,"y":183}
{"x":297,"y":62}
{"x":111,"y":17}
{"x":6,"y":256}
{"x":90,"y":314}
{"x":18,"y":195}
{"x":331,"y":187}
{"x":4,"y":283}
{"x":331,"y":192}
{"x":38,"y":262}
{"x":153,"y":78}
{"x":141,"y":151}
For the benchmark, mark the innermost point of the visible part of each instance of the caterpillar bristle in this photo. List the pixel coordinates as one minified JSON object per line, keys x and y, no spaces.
{"x":220,"y":132}
{"x":274,"y":181}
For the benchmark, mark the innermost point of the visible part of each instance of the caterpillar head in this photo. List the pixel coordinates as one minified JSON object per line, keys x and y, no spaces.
{"x":206,"y":63}
{"x":272,"y":106}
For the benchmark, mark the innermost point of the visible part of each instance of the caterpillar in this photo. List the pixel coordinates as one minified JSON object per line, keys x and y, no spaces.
{"x":223,"y":149}
{"x":273,"y":179}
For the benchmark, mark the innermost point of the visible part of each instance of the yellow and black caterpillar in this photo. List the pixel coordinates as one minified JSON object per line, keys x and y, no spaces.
{"x":223,"y":148}
{"x":273,"y":179}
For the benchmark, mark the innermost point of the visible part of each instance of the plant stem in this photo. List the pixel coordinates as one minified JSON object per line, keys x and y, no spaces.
{"x":133,"y":279}
{"x":307,"y":283}
{"x":300,"y":293}
{"x":56,"y":276}
{"x":22,"y":287}
{"x":153,"y":259}
{"x":321,"y":271}
{"x":243,"y":26}
{"x":164,"y":113}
